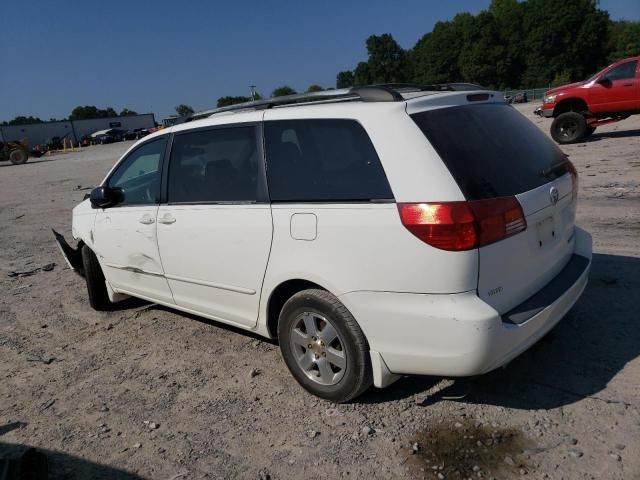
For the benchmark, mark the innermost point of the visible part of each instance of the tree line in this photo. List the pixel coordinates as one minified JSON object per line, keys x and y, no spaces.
{"x":512,"y":44}
{"x":78,"y":113}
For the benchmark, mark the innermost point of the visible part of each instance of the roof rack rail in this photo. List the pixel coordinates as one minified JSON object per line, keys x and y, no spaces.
{"x":390,"y":92}
{"x":437,"y":87}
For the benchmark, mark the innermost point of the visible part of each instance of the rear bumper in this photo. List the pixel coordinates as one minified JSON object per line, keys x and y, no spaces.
{"x":459,"y":334}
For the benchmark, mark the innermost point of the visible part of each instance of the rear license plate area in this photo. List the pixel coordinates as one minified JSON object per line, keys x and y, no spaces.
{"x":546,"y":232}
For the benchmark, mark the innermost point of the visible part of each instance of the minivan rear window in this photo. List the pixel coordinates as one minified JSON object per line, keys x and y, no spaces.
{"x":322,"y":160}
{"x":491,"y":150}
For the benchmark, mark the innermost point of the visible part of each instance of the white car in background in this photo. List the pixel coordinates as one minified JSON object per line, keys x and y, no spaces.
{"x":375,"y":232}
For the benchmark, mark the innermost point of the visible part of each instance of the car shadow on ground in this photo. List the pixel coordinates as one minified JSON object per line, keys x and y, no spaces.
{"x":213,"y":323}
{"x":577,"y":359}
{"x":22,"y":462}
{"x":614,"y":134}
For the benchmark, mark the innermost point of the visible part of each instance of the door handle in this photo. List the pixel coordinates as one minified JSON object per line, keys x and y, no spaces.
{"x":147,"y":219}
{"x":167,"y":219}
{"x":628,"y":85}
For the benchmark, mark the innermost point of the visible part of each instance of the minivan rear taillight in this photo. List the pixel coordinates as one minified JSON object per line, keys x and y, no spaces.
{"x":457,"y":226}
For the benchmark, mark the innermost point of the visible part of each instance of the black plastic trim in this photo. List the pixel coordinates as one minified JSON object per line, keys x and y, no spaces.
{"x":550,"y":293}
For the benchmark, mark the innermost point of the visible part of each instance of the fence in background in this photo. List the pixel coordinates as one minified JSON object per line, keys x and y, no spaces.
{"x":532,"y":93}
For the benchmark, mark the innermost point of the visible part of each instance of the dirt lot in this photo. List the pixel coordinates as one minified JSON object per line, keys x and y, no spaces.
{"x":150,"y":393}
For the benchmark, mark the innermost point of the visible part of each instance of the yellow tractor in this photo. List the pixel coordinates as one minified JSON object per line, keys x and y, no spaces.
{"x":15,"y":152}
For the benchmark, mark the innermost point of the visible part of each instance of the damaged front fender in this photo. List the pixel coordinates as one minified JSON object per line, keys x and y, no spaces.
{"x":73,"y":256}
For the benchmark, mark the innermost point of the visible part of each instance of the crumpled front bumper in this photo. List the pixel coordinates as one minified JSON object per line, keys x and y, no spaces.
{"x":72,"y":256}
{"x":542,"y":112}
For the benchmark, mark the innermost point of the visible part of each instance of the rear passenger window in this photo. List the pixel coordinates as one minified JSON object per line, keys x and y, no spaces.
{"x":218,"y":165}
{"x":322,"y":160}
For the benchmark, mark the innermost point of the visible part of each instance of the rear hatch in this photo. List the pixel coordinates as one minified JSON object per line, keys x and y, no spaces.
{"x":492,"y":151}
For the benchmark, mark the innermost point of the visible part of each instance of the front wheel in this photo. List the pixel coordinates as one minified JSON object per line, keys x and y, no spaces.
{"x":569,"y":127}
{"x":96,"y":285}
{"x":18,"y":156}
{"x":324,"y":347}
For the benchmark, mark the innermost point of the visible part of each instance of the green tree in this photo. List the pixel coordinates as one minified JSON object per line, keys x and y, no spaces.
{"x":561,"y":78}
{"x":314,"y":88}
{"x":479,"y":60}
{"x":624,"y":40}
{"x":229,"y":100}
{"x":22,"y":120}
{"x":81,"y":113}
{"x":184,"y":110}
{"x":563,"y":36}
{"x":509,"y":54}
{"x":91,"y":111}
{"x":127,"y":113}
{"x":362,"y":74}
{"x":344,"y":79}
{"x":388,"y":62}
{"x":284,"y":90}
{"x":435,"y":56}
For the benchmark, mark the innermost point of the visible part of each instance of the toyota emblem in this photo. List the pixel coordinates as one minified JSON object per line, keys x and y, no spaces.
{"x":554,"y":194}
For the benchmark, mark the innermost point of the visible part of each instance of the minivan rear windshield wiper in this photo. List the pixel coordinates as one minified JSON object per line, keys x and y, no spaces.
{"x":553,"y":169}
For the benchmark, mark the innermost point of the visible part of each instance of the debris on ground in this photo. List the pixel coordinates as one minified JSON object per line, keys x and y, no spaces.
{"x":27,"y":273}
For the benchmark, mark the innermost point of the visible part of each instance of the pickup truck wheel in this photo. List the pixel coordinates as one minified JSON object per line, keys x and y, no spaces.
{"x":569,"y":127}
{"x":324,"y":347}
{"x":96,"y":286}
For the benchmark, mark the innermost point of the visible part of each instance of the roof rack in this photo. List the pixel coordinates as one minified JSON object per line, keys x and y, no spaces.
{"x":390,"y":92}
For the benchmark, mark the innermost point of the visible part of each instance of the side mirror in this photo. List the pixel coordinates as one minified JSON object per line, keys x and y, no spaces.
{"x":603,"y":80}
{"x":103,"y":197}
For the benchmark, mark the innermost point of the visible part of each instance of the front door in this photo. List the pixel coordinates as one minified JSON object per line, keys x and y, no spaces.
{"x":215,"y":229}
{"x":125,"y":234}
{"x":618,"y":91}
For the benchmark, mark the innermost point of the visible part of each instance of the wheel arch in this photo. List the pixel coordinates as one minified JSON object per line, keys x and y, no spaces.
{"x":573,"y":104}
{"x":279,"y":296}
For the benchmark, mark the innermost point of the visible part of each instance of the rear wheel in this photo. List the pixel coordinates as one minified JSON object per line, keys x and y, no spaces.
{"x":96,"y":286}
{"x":324,"y":347}
{"x":569,"y":127}
{"x":18,"y":156}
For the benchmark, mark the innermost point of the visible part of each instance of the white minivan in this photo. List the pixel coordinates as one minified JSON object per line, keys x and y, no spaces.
{"x":375,"y":232}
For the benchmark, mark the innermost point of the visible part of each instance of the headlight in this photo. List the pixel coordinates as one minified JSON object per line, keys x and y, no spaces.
{"x":550,"y":98}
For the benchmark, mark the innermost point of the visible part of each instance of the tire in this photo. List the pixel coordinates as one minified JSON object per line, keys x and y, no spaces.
{"x":337,"y":367}
{"x":569,"y":127}
{"x":18,"y":156}
{"x":96,"y":286}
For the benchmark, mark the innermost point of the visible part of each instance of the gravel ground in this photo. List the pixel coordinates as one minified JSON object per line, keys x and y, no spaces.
{"x":145,"y":392}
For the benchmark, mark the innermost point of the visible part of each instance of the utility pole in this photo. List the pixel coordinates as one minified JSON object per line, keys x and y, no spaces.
{"x":253,"y":91}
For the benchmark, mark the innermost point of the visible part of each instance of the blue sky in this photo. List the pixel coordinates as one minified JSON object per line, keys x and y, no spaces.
{"x":152,"y":56}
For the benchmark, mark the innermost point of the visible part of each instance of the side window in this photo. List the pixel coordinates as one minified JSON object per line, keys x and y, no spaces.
{"x":137,"y":179}
{"x":218,"y":165}
{"x":623,"y":72}
{"x":322,"y":160}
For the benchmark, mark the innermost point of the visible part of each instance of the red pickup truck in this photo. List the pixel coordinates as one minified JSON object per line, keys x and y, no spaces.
{"x":578,"y":109}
